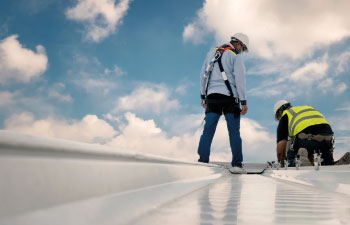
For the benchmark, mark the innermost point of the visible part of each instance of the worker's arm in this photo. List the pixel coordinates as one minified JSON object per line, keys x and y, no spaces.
{"x":281,"y":151}
{"x":239,"y":72}
{"x":203,"y":80}
{"x":244,"y":109}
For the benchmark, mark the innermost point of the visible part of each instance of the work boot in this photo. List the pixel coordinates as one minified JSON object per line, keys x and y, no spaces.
{"x":237,"y":170}
{"x":344,"y":160}
{"x":304,"y":160}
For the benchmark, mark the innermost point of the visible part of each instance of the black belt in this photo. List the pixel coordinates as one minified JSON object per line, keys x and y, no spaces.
{"x":222,"y":101}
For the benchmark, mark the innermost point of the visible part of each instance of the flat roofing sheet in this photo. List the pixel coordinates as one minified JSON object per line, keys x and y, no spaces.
{"x":253,"y":199}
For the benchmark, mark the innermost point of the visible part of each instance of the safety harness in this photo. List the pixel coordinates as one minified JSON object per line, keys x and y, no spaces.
{"x":217,"y":58}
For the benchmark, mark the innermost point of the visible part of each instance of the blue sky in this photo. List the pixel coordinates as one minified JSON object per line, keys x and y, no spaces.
{"x":126,"y":73}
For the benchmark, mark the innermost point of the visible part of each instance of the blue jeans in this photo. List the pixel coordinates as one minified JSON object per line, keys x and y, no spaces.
{"x":233,"y":126}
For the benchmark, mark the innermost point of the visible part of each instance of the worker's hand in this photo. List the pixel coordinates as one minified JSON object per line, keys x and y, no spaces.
{"x":204,"y":104}
{"x":244,"y":109}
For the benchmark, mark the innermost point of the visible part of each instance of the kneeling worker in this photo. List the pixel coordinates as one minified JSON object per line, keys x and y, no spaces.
{"x":308,"y":131}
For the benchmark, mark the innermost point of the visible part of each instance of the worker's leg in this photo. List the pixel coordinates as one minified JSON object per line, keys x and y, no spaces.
{"x":211,"y":121}
{"x":291,"y":157}
{"x":327,"y":154}
{"x":233,"y":126}
{"x":319,"y":147}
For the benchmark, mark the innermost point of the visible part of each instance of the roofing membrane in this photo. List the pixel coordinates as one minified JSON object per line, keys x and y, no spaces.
{"x":50,"y":181}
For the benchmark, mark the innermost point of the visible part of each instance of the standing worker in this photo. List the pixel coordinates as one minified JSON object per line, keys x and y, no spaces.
{"x":222,"y":89}
{"x":308,"y":132}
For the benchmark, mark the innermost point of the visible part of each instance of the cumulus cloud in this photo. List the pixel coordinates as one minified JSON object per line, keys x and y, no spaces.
{"x":90,"y":129}
{"x":275,"y":28}
{"x":100,"y":17}
{"x":148,"y":99}
{"x":194,"y":33}
{"x":137,"y":134}
{"x":18,"y":63}
{"x":145,"y":136}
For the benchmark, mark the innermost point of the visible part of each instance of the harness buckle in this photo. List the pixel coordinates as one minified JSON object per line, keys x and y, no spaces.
{"x":217,"y":55}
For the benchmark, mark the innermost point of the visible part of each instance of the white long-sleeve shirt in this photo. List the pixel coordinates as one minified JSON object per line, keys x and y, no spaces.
{"x":235,"y":70}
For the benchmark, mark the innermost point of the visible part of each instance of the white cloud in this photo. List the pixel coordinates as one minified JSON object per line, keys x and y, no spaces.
{"x":342,"y":146}
{"x":181,"y":89}
{"x":325,"y":84}
{"x":56,"y":92}
{"x":100,"y":17}
{"x":137,"y":134}
{"x":275,"y":27}
{"x":343,"y":109}
{"x":112,"y":118}
{"x":179,"y":124}
{"x":343,"y":62}
{"x":340,"y":126}
{"x":89,"y":74}
{"x":144,"y":136}
{"x":116,"y":70}
{"x":94,"y":85}
{"x":90,"y":129}
{"x":310,"y":72}
{"x":341,"y":122}
{"x":270,"y":67}
{"x":148,"y":99}
{"x":261,"y":91}
{"x":340,"y":88}
{"x":6,"y":98}
{"x":194,"y":33}
{"x":18,"y":63}
{"x":318,"y":73}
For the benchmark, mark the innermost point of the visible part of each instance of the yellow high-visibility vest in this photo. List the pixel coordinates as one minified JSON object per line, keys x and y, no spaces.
{"x":301,"y":117}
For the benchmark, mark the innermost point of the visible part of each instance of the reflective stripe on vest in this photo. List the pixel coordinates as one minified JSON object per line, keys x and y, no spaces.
{"x":301,"y":117}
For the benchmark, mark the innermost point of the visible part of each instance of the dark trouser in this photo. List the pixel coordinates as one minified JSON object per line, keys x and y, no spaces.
{"x":219,"y":104}
{"x":233,"y":126}
{"x":324,"y":147}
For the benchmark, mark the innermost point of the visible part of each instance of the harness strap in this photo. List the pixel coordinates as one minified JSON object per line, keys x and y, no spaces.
{"x":217,"y":58}
{"x":224,"y":77}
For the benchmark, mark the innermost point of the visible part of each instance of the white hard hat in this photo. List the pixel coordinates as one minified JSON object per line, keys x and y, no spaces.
{"x":242,"y":38}
{"x":277,"y":106}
